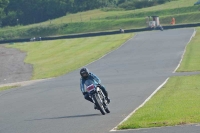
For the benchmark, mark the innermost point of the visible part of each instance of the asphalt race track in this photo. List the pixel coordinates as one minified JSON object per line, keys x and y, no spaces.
{"x":131,"y":74}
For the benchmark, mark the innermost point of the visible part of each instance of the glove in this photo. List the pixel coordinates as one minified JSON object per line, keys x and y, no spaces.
{"x":98,"y":85}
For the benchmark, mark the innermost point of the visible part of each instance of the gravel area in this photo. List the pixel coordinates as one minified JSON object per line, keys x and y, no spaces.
{"x":12,"y":66}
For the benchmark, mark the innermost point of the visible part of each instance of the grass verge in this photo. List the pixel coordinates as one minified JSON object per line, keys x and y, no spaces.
{"x":58,"y":57}
{"x":191,"y":60}
{"x":177,"y":103}
{"x":8,"y":87}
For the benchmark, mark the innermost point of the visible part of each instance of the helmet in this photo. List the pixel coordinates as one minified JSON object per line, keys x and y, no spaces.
{"x":84,"y":72}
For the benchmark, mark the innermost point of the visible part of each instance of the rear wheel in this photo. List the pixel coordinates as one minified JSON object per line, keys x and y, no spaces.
{"x":99,"y":104}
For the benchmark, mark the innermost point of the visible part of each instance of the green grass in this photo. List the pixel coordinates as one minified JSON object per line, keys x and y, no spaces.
{"x":191,"y":60}
{"x":177,"y":103}
{"x":99,"y":20}
{"x":8,"y":87}
{"x":99,"y":14}
{"x":163,"y":12}
{"x":55,"y":58}
{"x":93,"y":26}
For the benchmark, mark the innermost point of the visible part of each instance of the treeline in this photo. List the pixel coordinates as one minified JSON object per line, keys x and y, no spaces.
{"x":14,"y":12}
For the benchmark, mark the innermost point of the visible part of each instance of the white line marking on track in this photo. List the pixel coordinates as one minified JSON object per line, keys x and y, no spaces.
{"x":114,"y":129}
{"x":193,"y":35}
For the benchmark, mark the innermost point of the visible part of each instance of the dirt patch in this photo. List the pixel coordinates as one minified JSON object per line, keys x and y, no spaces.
{"x":12,"y":66}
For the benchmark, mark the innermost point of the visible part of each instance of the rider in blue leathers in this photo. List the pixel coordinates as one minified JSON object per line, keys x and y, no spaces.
{"x":85,"y":75}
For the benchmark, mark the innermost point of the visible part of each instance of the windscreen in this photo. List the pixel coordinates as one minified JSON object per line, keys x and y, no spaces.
{"x":89,"y":82}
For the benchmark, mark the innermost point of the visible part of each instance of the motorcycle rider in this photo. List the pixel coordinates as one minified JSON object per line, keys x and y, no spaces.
{"x":85,"y":75}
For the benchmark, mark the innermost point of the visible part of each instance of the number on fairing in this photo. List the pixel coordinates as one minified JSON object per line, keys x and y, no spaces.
{"x":90,"y":88}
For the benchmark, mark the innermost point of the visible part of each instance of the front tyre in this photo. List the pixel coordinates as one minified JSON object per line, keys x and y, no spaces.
{"x":99,"y":104}
{"x":107,"y":109}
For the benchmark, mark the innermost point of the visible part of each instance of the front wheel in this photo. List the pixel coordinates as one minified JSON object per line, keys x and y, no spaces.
{"x":107,"y":109}
{"x":99,"y":104}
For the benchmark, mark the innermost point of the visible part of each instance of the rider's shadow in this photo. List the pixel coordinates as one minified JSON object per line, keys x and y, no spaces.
{"x":66,"y":117}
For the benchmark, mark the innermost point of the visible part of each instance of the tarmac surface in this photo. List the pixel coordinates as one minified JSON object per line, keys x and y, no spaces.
{"x":131,"y":74}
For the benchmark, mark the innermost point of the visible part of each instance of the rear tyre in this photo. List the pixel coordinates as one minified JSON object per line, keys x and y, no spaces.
{"x":99,"y":104}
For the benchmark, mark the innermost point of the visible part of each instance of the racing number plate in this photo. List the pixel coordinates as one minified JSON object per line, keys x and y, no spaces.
{"x":90,"y":88}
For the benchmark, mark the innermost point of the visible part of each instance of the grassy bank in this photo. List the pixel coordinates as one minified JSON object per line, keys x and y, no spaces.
{"x":7,"y":87}
{"x":91,"y":26}
{"x":177,"y":103}
{"x":163,"y":12}
{"x":99,"y":20}
{"x":55,"y":58}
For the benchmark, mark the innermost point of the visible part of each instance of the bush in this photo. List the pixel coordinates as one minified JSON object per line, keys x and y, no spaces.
{"x":107,"y":9}
{"x":128,"y":5}
{"x":137,"y":4}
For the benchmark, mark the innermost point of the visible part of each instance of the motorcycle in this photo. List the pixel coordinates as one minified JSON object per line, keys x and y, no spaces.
{"x":98,"y":98}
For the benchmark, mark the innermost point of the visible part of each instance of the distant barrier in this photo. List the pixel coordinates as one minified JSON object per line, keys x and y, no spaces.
{"x":182,"y":26}
{"x":101,"y":33}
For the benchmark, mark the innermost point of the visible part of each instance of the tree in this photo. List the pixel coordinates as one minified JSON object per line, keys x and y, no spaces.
{"x":13,"y":12}
{"x":3,"y":4}
{"x":33,"y":11}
